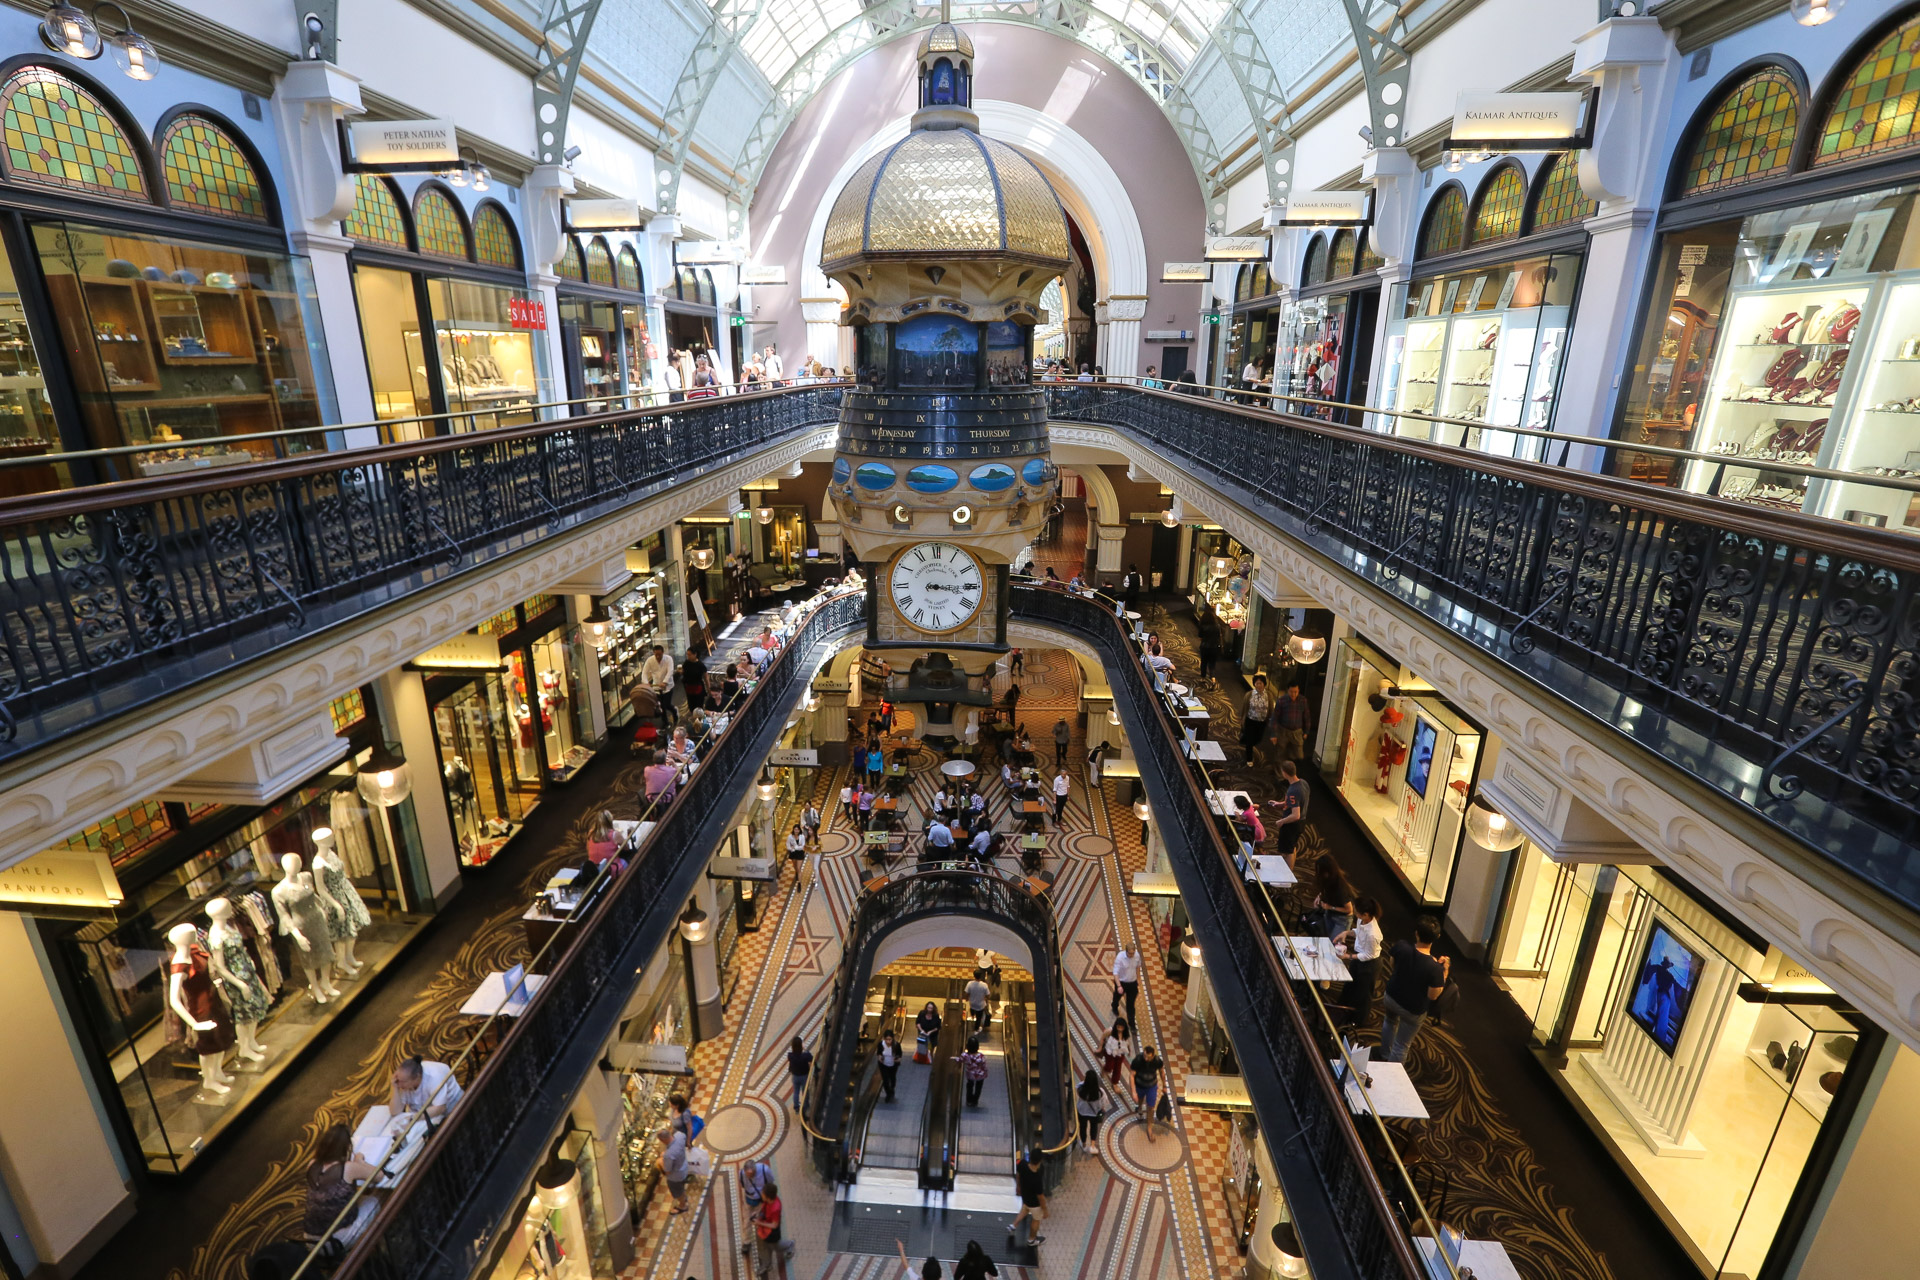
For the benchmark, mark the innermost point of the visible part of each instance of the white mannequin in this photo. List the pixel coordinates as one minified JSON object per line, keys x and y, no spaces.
{"x":220,"y":914}
{"x":325,"y":855}
{"x":295,"y":885}
{"x":182,"y":936}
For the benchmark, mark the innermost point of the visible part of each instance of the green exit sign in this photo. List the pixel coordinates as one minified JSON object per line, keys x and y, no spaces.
{"x":737,"y":321}
{"x":1211,"y":317}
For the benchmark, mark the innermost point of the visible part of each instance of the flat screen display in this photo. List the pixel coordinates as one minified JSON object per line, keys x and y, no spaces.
{"x":1420,"y":757}
{"x":1663,"y":992}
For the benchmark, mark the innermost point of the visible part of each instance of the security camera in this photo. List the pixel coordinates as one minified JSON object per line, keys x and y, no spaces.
{"x":316,"y":33}
{"x":1366,"y":134}
{"x":572,"y":154}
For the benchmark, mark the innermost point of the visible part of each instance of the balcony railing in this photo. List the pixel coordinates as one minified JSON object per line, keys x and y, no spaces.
{"x":1774,"y":656}
{"x":115,"y":594}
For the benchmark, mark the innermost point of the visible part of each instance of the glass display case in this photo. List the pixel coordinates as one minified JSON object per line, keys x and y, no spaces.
{"x":1485,"y":345}
{"x":487,"y":762}
{"x":27,"y":427}
{"x":637,"y":620}
{"x":489,"y":368}
{"x":559,"y":697}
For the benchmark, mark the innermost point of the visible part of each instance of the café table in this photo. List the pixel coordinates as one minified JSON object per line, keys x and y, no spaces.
{"x":958,"y":768}
{"x":373,"y":1143}
{"x":1222,"y":802}
{"x":1272,"y":870}
{"x":491,"y":996}
{"x":1322,"y":965}
{"x":1487,"y":1259}
{"x":1391,"y":1091}
{"x":1206,"y":749}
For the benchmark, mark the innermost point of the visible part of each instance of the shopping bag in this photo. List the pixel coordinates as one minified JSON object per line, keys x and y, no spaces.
{"x":700,"y":1163}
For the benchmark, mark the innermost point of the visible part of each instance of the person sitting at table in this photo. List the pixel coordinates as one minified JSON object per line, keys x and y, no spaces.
{"x":1247,"y":818}
{"x":1157,"y":663}
{"x":976,"y":804}
{"x":767,"y":640}
{"x":425,"y":1087}
{"x":661,"y":778}
{"x":744,"y":668}
{"x":1332,"y":908}
{"x":940,"y":802}
{"x":982,"y":845}
{"x":603,"y":841}
{"x":331,"y":1176}
{"x":1006,"y":775}
{"x":1023,"y":749}
{"x":729,"y":687}
{"x":680,"y":747}
{"x":1359,"y":947}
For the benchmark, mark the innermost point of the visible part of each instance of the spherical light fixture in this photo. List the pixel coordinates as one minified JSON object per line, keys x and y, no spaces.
{"x":556,"y":1180}
{"x":1190,"y":952}
{"x":693,"y":923}
{"x":1141,"y":811}
{"x":1493,"y":830}
{"x":67,"y":30}
{"x":1170,"y":518}
{"x":1290,"y":1259}
{"x":1220,"y":566}
{"x":133,"y":52}
{"x":1113,"y":714}
{"x":482,"y":177}
{"x":1453,"y":161}
{"x":1307,"y":645}
{"x":766,"y":787}
{"x":1814,"y":13}
{"x":385,"y":779}
{"x":763,"y":514}
{"x":599,"y":627}
{"x":701,"y":557}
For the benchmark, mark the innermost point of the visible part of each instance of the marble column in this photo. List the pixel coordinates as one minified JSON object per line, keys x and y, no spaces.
{"x":401,"y":698}
{"x":708,"y":1019}
{"x":1125,"y":312}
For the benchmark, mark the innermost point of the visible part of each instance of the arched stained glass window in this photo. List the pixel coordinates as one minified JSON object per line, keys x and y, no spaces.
{"x":207,"y":172}
{"x":1262,"y":281}
{"x":437,"y":222}
{"x":376,"y":216}
{"x":1748,"y":136}
{"x":571,"y":265}
{"x":686,"y":285}
{"x":1874,"y":111}
{"x":1244,"y":285}
{"x":627,"y":267}
{"x":59,"y":135}
{"x":1446,"y":220}
{"x":493,"y":240}
{"x":1503,"y":199}
{"x":1560,"y":200}
{"x":1340,"y":260}
{"x":599,"y":262}
{"x":1314,"y":270}
{"x":708,"y":294}
{"x":1369,"y":260}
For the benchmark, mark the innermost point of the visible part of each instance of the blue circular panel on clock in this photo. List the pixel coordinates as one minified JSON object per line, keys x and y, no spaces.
{"x":932,"y":478}
{"x":842,"y":471}
{"x":875,"y":475}
{"x":1036,"y":471}
{"x":992,"y":478}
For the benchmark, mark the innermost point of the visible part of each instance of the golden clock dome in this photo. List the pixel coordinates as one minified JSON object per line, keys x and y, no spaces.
{"x":944,"y":37}
{"x":946,"y":193}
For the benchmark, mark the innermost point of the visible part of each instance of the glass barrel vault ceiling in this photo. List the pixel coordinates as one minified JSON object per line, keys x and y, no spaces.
{"x":783,"y":51}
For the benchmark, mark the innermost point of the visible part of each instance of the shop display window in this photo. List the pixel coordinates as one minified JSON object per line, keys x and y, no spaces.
{"x":390,"y":332}
{"x":491,"y":371}
{"x":1311,"y":345}
{"x":122,"y":961}
{"x":664,"y":1026}
{"x":559,"y":699}
{"x":27,"y":427}
{"x":637,"y":618}
{"x":1406,"y":765}
{"x":1487,"y":345}
{"x":1788,"y":336}
{"x":637,"y":347}
{"x":592,"y":331}
{"x":184,"y":344}
{"x":1706,"y":1062}
{"x":487,"y":763}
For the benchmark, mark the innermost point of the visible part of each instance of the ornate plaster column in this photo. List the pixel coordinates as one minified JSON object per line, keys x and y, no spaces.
{"x":544,"y":214}
{"x":308,"y":103}
{"x":1634,"y":67}
{"x":708,"y":1011}
{"x":1101,"y":316}
{"x":1395,"y":179}
{"x":1112,"y":540}
{"x":1124,"y":314}
{"x":822,"y":316}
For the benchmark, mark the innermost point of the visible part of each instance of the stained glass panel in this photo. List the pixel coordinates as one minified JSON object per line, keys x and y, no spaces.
{"x":1445,"y":221}
{"x":1314,"y":271}
{"x":438,"y":225}
{"x":121,"y":836}
{"x":1561,"y":200}
{"x":1340,"y":262}
{"x":1502,"y":201}
{"x":208,"y":173}
{"x":628,"y":266}
{"x":1369,"y":260}
{"x":1875,"y":110}
{"x":493,"y":238}
{"x":58,"y":135}
{"x":347,"y":710}
{"x":570,"y":264}
{"x":599,"y":262}
{"x":376,"y":216}
{"x":500,"y":623}
{"x":1749,"y":135}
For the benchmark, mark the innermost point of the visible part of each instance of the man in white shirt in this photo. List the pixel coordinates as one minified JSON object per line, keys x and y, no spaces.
{"x":657,"y":671}
{"x":1360,"y":948}
{"x":1126,"y":983}
{"x":977,"y":1000}
{"x":770,"y":364}
{"x":939,"y":840}
{"x":982,"y":841}
{"x":426,"y":1087}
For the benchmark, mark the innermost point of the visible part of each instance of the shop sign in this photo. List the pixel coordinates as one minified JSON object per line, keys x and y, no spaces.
{"x":1517,"y":121}
{"x":378,"y":143}
{"x":708,"y":253}
{"x":1237,"y":248}
{"x":464,"y":652}
{"x":1185,"y":272}
{"x":773,"y":275}
{"x":795,"y":757}
{"x":62,"y":878}
{"x":604,"y":215}
{"x":1169,"y":335}
{"x":1326,"y":209}
{"x":667,"y":1059}
{"x":527,"y":313}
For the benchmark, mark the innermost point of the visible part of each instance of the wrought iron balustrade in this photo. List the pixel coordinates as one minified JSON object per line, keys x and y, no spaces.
{"x":115,"y":594}
{"x":1772,"y":655}
{"x":470,"y":1175}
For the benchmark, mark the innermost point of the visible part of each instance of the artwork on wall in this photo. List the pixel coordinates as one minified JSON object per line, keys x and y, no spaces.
{"x":1663,"y":993}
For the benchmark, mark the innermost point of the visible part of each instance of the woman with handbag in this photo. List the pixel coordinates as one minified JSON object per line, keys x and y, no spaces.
{"x":1089,"y":1106}
{"x":928,"y":1024}
{"x":1117,"y":1051}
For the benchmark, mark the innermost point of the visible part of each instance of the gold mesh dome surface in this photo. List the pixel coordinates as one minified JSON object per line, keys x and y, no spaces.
{"x":945,"y":38}
{"x":946,"y":191}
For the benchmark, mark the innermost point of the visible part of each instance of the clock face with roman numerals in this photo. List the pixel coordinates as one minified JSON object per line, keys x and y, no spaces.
{"x":936,"y":586}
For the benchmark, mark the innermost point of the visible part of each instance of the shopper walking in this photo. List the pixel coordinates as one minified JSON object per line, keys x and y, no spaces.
{"x":973,"y":1067}
{"x":1293,"y":811}
{"x":1126,"y":980}
{"x":766,"y":1233}
{"x":1033,"y":1197}
{"x":928,"y":1024}
{"x":1146,"y":1085}
{"x":755,"y":1177}
{"x":977,"y":996}
{"x":888,"y":1057}
{"x":974,"y":1264}
{"x":928,"y":1270}
{"x":1117,"y":1051}
{"x":1061,"y":788}
{"x":1418,"y":979}
{"x":1089,"y":1106}
{"x":673,"y":1166}
{"x":693,"y":677}
{"x":1293,"y":715}
{"x":799,"y":1066}
{"x":1061,"y":736}
{"x":1253,"y":727}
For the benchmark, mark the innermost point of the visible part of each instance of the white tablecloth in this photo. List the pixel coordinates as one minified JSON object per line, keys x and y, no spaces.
{"x":1392,"y":1092}
{"x":1273,"y":871}
{"x":1207,"y":749}
{"x":1323,"y":966}
{"x":1222,"y":802}
{"x":372,"y":1141}
{"x":490,"y":996}
{"x":1487,"y":1258}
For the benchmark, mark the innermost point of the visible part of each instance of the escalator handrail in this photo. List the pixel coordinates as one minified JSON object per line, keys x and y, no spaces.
{"x":934,"y":1110}
{"x":866,"y":1090}
{"x":1013,"y":1017}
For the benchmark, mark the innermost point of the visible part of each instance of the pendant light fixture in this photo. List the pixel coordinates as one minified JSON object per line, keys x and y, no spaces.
{"x":1814,"y":13}
{"x":385,"y":779}
{"x":1307,"y":645}
{"x":67,"y":30}
{"x":599,"y":625}
{"x":1491,"y":829}
{"x":70,"y":30}
{"x":1170,"y":518}
{"x":693,"y":923}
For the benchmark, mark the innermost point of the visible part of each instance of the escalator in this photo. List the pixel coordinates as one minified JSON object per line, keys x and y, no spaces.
{"x":987,"y":1136}
{"x":908,"y":1141}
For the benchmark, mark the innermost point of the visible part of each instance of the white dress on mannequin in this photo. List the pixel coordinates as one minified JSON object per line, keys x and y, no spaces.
{"x":304,"y":919}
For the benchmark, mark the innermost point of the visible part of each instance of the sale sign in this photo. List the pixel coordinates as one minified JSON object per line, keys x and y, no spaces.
{"x":527,"y":313}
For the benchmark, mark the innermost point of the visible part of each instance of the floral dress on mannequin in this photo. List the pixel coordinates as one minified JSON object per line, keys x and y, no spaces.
{"x":247,"y":1000}
{"x":341,"y":890}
